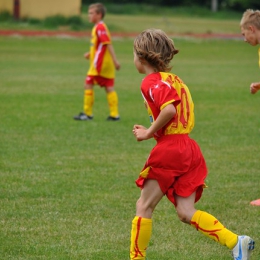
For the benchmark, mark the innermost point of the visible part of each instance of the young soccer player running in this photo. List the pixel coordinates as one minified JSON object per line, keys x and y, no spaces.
{"x":250,"y":29}
{"x":103,"y":63}
{"x":175,"y":167}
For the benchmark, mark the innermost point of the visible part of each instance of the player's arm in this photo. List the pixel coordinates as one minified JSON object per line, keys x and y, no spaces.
{"x":167,"y":113}
{"x":254,"y":87}
{"x":113,"y":55}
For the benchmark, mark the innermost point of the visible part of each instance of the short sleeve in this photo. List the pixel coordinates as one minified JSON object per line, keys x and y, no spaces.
{"x":163,"y":94}
{"x":103,"y":34}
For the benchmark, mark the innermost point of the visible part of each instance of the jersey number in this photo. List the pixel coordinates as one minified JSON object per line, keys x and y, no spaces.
{"x":183,"y":114}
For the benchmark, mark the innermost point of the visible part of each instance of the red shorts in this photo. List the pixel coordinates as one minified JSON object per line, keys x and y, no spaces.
{"x":101,"y":81}
{"x":178,"y":165}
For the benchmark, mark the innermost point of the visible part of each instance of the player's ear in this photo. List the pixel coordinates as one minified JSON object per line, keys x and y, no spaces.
{"x":141,"y":60}
{"x":251,"y":28}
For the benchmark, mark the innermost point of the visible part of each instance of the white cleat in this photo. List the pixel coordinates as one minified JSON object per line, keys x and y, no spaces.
{"x":243,"y":248}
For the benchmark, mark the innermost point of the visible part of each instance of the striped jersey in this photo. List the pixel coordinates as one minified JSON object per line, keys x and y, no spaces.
{"x":101,"y":62}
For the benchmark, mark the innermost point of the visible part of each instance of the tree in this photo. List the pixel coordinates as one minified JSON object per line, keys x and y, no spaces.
{"x":214,"y":5}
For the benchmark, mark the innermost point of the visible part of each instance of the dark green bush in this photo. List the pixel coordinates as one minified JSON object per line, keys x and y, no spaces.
{"x":54,"y":21}
{"x":34,"y":21}
{"x":75,"y":20}
{"x":5,"y":16}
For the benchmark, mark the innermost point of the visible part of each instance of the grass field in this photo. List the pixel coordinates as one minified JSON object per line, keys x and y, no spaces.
{"x":67,"y":188}
{"x":186,"y":22}
{"x":171,"y":24}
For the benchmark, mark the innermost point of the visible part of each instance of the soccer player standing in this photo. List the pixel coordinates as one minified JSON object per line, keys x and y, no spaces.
{"x":250,"y":29}
{"x":103,"y":63}
{"x":175,"y":167}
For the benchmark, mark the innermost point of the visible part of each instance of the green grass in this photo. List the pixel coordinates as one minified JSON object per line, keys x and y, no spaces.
{"x":172,"y":24}
{"x":170,"y":10}
{"x":129,"y":24}
{"x":67,"y":188}
{"x":132,"y":18}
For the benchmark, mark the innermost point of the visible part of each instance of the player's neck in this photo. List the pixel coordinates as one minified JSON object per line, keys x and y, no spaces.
{"x":97,"y":21}
{"x":149,"y":70}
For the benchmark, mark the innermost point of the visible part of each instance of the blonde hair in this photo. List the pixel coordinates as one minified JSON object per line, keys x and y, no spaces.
{"x":250,"y":17}
{"x":100,"y":8}
{"x":155,"y":47}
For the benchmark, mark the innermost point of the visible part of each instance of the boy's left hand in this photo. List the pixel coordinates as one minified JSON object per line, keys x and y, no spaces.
{"x":117,"y":65}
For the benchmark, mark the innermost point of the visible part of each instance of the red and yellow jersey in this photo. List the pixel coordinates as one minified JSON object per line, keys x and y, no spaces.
{"x":101,"y":62}
{"x":159,"y":90}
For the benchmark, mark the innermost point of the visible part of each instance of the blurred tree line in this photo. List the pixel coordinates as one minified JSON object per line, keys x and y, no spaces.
{"x":214,"y":5}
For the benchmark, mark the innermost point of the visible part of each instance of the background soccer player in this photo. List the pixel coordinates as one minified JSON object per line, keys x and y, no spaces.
{"x":175,"y":167}
{"x":250,"y":29}
{"x":103,"y":63}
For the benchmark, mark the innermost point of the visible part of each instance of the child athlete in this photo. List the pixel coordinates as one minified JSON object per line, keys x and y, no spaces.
{"x":103,"y":63}
{"x":176,"y":167}
{"x":250,"y":29}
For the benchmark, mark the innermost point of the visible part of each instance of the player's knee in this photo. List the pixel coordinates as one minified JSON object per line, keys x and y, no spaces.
{"x":143,"y":208}
{"x":110,"y":89}
{"x":140,"y":206}
{"x":88,"y":87}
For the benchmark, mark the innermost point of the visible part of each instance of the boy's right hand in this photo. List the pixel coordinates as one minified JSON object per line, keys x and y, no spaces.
{"x":141,"y":133}
{"x":86,"y":55}
{"x":254,"y":87}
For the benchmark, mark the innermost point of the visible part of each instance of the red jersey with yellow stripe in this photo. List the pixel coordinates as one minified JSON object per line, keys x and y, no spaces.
{"x":160,"y":89}
{"x":101,"y":62}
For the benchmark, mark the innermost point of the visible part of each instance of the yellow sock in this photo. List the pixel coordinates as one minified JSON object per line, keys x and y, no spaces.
{"x":88,"y":102}
{"x":140,"y":237}
{"x":212,"y":228}
{"x":112,"y":100}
